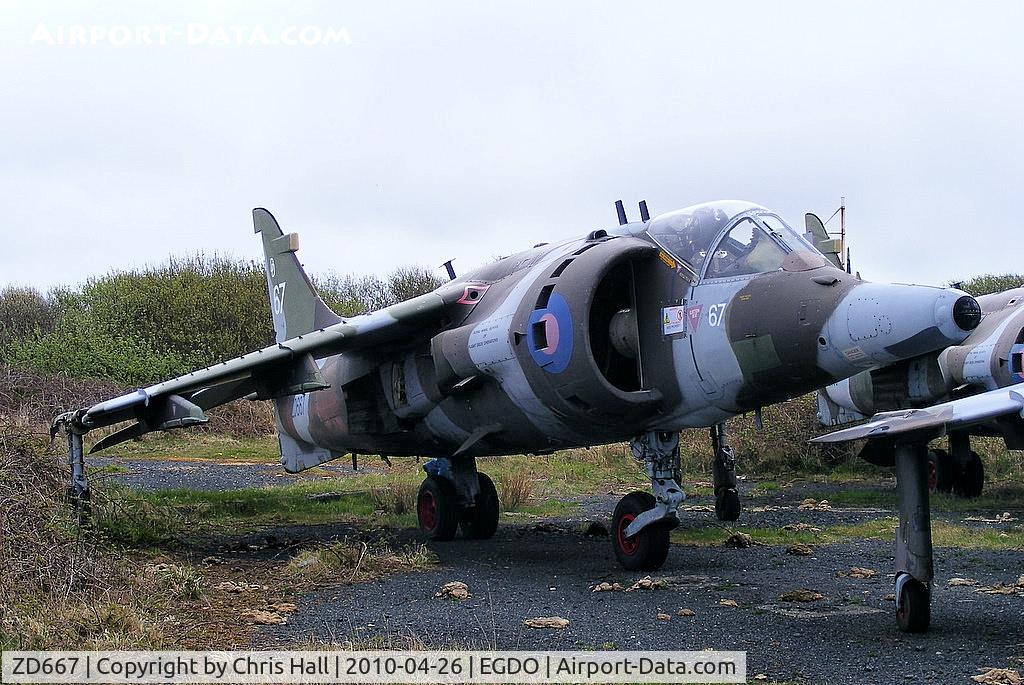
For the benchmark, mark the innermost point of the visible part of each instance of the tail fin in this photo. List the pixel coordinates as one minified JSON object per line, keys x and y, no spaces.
{"x":294,"y":303}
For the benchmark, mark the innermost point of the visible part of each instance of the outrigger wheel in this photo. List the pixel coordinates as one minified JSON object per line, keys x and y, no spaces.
{"x":648,"y":549}
{"x":913,"y":606}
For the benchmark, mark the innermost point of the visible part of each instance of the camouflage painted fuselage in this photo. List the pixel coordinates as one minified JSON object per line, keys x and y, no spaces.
{"x":597,"y":339}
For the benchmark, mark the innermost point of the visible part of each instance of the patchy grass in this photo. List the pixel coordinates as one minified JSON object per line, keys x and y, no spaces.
{"x":944,"y":534}
{"x":251,"y":507}
{"x":185,"y":446}
{"x":994,"y":497}
{"x":352,"y":561}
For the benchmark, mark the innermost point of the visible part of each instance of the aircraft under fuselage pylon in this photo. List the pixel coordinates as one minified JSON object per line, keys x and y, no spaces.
{"x":632,"y":332}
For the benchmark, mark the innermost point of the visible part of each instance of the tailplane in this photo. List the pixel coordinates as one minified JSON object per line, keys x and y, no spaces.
{"x":294,"y":303}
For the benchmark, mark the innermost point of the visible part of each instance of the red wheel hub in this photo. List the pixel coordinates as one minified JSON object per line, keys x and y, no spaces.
{"x":628,"y":545}
{"x":426,"y":509}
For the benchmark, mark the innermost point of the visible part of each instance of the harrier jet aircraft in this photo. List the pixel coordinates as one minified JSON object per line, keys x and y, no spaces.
{"x":972,"y":388}
{"x":634,"y":332}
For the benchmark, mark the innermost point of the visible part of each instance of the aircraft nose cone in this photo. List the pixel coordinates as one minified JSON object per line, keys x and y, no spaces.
{"x":967,"y":313}
{"x":880,"y":323}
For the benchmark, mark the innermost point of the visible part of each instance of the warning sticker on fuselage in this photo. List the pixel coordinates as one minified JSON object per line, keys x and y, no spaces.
{"x":673,"y":320}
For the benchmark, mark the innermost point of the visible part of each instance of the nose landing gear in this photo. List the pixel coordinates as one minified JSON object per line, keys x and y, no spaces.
{"x":642,"y":522}
{"x":455,"y":494}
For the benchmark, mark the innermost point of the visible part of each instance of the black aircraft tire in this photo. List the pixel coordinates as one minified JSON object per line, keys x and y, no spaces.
{"x":437,"y":508}
{"x":481,"y":522}
{"x":915,"y":612}
{"x":941,"y":471}
{"x":972,"y":478}
{"x":648,"y":549}
{"x":727,"y":505}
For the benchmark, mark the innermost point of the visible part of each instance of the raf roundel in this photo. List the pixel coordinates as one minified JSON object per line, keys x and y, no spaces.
{"x":550,"y":335}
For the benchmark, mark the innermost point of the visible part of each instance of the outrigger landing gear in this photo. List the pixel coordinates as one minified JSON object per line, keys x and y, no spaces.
{"x":642,"y":522}
{"x":727,"y":497}
{"x":78,"y":491}
{"x":455,"y":494}
{"x":913,"y":539}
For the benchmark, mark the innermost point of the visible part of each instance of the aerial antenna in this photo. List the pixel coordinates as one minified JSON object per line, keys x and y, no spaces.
{"x":644,"y":214}
{"x":621,"y":211}
{"x":450,"y":269}
{"x":842,"y":230}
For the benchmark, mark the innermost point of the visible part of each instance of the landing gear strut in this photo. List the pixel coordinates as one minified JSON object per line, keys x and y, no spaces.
{"x":642,"y":522}
{"x":455,"y":494}
{"x":968,"y":471}
{"x":727,"y":497}
{"x":78,"y":491}
{"x":913,"y":539}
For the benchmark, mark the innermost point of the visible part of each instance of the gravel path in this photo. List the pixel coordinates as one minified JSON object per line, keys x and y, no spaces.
{"x":150,"y":474}
{"x":849,"y":637}
{"x":547,"y":567}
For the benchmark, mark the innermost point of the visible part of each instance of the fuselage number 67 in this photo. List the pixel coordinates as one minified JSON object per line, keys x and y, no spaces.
{"x":716,"y":314}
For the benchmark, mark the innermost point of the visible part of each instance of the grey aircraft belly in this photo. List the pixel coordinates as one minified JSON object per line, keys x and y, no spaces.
{"x":630,"y":333}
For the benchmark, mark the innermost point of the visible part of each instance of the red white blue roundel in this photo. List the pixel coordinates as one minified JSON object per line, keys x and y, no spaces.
{"x":550,"y":335}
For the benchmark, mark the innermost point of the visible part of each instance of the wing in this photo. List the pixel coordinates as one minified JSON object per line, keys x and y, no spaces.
{"x":286,"y":368}
{"x":961,"y":413}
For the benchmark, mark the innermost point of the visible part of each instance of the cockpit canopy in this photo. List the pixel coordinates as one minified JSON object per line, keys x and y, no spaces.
{"x":756,"y":241}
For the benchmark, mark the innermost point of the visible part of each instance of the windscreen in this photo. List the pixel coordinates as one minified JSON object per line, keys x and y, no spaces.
{"x":687,"y":234}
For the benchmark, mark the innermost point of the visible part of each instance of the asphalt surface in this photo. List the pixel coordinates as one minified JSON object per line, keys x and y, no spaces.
{"x":535,"y":568}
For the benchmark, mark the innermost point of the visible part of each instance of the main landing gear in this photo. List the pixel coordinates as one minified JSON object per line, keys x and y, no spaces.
{"x":727,"y":496}
{"x":454,"y":494}
{"x":959,"y":471}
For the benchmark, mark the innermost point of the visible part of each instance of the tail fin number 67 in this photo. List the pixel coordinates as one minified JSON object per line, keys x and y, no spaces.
{"x":277,"y":302}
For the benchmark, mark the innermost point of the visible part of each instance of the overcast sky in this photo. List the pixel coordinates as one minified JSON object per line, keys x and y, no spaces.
{"x":474,"y":129}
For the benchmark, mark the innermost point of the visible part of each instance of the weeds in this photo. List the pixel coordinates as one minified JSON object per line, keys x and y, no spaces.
{"x":395,"y":497}
{"x":353,"y":561}
{"x":515,"y":490}
{"x":62,"y":586}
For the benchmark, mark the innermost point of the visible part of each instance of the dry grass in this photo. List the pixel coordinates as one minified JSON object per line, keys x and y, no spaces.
{"x":515,"y":490}
{"x":353,"y":561}
{"x":66,"y":587}
{"x":395,"y":497}
{"x":30,"y":399}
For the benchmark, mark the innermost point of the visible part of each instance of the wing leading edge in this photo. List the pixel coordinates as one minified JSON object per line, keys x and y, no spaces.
{"x":962,"y":413}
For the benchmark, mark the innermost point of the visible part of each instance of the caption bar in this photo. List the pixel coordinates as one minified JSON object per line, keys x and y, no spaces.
{"x":373,"y":667}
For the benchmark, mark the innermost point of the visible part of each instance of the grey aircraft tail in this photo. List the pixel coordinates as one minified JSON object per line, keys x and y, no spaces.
{"x":294,"y":303}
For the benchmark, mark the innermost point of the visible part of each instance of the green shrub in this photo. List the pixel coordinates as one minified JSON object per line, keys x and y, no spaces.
{"x":140,"y":326}
{"x":24,"y":312}
{"x":79,"y":347}
{"x":990,"y":283}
